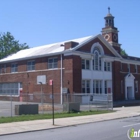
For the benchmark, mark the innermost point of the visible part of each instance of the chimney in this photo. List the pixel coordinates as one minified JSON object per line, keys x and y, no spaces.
{"x":70,"y":44}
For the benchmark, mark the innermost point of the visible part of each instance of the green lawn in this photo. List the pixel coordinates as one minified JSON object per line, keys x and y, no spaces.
{"x":49,"y":116}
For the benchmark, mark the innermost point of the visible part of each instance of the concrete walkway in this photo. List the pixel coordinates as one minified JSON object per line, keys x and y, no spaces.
{"x":27,"y":126}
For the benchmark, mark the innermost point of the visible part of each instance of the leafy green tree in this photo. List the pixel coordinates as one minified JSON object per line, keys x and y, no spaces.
{"x":8,"y":45}
{"x":123,"y":53}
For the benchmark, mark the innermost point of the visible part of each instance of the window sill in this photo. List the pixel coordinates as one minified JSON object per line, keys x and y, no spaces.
{"x":31,"y":70}
{"x":14,"y":72}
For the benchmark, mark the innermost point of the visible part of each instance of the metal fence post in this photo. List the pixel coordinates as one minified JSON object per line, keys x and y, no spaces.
{"x":11,"y":105}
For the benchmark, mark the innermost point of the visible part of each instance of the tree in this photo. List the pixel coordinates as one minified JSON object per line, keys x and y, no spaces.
{"x":8,"y":45}
{"x":123,"y":53}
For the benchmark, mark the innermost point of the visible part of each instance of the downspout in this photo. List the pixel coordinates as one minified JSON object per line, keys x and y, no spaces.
{"x":61,"y":94}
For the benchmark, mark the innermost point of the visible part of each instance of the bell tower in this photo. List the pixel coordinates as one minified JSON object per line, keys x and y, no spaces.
{"x":110,"y":33}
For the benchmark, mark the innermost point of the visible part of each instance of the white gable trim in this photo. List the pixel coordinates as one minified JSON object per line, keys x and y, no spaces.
{"x":109,"y":46}
{"x":103,"y":40}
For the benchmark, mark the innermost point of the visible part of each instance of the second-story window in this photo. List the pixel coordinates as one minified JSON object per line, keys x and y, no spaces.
{"x":85,"y":64}
{"x":3,"y":68}
{"x":30,"y":65}
{"x":128,"y":67}
{"x":121,"y":67}
{"x":14,"y":67}
{"x":52,"y":63}
{"x":96,"y":61}
{"x":136,"y":69}
{"x":107,"y":66}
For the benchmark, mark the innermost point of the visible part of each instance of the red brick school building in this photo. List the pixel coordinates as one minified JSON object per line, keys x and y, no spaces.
{"x":89,"y":65}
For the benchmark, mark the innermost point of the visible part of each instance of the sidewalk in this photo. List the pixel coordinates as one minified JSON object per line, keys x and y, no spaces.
{"x":17,"y":127}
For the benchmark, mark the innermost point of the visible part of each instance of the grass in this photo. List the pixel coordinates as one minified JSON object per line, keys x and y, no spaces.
{"x":49,"y":116}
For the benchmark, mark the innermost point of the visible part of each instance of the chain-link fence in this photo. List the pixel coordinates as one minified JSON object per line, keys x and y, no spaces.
{"x":10,"y":105}
{"x":90,"y":101}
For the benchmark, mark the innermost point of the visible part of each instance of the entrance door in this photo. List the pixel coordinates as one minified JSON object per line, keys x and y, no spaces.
{"x":129,"y":93}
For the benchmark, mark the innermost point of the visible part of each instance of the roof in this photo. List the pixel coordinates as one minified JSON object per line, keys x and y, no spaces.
{"x":42,"y":50}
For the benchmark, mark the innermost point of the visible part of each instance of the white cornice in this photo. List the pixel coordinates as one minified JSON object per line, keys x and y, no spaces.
{"x":108,"y":30}
{"x":105,"y":57}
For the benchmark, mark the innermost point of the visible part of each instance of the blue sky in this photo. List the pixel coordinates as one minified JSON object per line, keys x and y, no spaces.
{"x":40,"y":22}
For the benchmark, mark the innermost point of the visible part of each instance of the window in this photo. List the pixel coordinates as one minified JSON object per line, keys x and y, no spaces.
{"x":128,"y":67}
{"x":105,"y":87}
{"x":3,"y":68}
{"x":85,"y":64}
{"x":136,"y":86}
{"x":9,"y":88}
{"x":30,"y":65}
{"x":97,"y":86}
{"x":85,"y":86}
{"x":121,"y":67}
{"x":100,"y":63}
{"x":136,"y":69}
{"x":121,"y":86}
{"x":52,"y":63}
{"x":96,"y":61}
{"x":14,"y":67}
{"x":107,"y":66}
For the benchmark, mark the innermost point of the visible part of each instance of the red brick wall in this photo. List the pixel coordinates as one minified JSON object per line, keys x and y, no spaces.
{"x":29,"y":78}
{"x":87,"y":47}
{"x":72,"y":74}
{"x":68,"y":73}
{"x":77,"y":74}
{"x":119,"y":76}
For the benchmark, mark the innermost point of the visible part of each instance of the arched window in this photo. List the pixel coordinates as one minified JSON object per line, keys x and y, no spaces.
{"x":96,"y":60}
{"x":98,"y":51}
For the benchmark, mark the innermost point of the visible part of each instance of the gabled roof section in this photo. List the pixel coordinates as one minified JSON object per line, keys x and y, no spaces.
{"x":101,"y":39}
{"x":46,"y":50}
